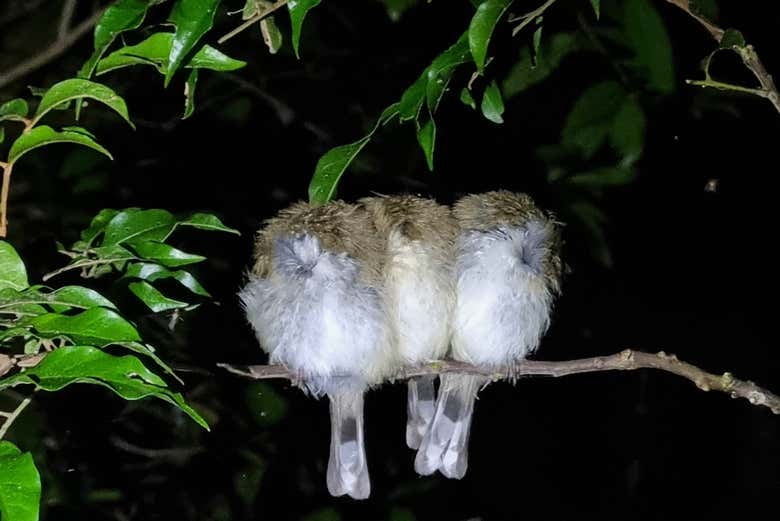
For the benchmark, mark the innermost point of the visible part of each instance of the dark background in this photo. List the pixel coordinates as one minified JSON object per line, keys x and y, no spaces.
{"x":691,"y":275}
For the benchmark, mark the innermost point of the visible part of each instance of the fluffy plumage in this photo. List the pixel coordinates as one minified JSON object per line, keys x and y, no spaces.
{"x":315,"y":301}
{"x":508,"y":272}
{"x":419,"y":285}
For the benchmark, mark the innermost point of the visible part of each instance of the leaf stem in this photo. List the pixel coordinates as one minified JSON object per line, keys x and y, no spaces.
{"x":7,"y":167}
{"x":12,"y":416}
{"x":256,"y":18}
{"x":531,"y":16}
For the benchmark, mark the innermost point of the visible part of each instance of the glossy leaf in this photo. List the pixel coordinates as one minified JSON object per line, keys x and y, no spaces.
{"x":44,"y":135}
{"x":96,"y":326}
{"x":298,"y":10}
{"x":481,"y":28}
{"x":426,"y":137}
{"x":441,"y":69}
{"x":335,"y":161}
{"x":78,"y":88}
{"x":590,"y":120}
{"x":20,"y":485}
{"x":98,"y":224}
{"x":2,"y":135}
{"x":627,"y":134}
{"x":67,"y":297}
{"x":139,"y":225}
{"x":649,"y":40}
{"x":155,"y":51}
{"x":192,"y":18}
{"x":125,"y":375}
{"x":467,"y":98}
{"x":412,"y":98}
{"x":492,"y":103}
{"x":165,"y":254}
{"x":14,"y":109}
{"x":13,"y":274}
{"x":152,"y":272}
{"x":206,"y":221}
{"x":152,"y":297}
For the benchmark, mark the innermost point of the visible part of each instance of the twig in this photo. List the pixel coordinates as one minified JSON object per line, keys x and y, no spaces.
{"x":7,"y":167}
{"x":11,"y":417}
{"x":748,"y":55}
{"x":628,"y":360}
{"x":53,"y":51}
{"x":65,"y":18}
{"x":256,"y":18}
{"x":531,"y":16}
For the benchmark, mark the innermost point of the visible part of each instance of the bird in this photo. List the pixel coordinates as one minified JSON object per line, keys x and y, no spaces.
{"x":508,"y":271}
{"x":315,"y":302}
{"x":419,"y":285}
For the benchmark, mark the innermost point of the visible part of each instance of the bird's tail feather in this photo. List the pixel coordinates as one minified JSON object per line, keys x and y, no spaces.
{"x":445,"y":446}
{"x":420,"y":409}
{"x":347,"y":466}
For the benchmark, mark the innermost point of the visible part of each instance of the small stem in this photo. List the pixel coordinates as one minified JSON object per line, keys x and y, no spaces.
{"x":7,"y":167}
{"x":83,"y":264}
{"x":12,"y":416}
{"x":530,"y":17}
{"x":715,"y":84}
{"x":256,"y":18}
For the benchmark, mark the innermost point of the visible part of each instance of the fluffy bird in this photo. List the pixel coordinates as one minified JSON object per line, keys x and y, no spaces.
{"x":508,"y":272}
{"x":315,"y":302}
{"x":419,"y":288}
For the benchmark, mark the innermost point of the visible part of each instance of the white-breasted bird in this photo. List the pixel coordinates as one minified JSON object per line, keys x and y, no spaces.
{"x":315,"y":301}
{"x":419,"y":286}
{"x":508,"y":272}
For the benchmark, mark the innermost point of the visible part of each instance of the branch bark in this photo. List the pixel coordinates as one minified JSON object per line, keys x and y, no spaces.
{"x":628,"y":360}
{"x":747,"y":53}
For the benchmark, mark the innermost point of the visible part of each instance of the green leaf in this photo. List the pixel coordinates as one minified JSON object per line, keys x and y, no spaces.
{"x":192,"y":18}
{"x":537,"y":39}
{"x":601,"y":177}
{"x":13,"y":274}
{"x":98,"y":224}
{"x":97,"y":326}
{"x":732,"y":38}
{"x":15,"y":109}
{"x":596,"y":8}
{"x":492,"y":103}
{"x":78,"y":88}
{"x":139,"y":225}
{"x":207,"y":221}
{"x":650,"y":42}
{"x":44,"y":135}
{"x":298,"y":10}
{"x":152,"y":272}
{"x":20,"y":485}
{"x":2,"y":135}
{"x":155,"y":50}
{"x":153,"y":299}
{"x":589,"y":122}
{"x":426,"y":137}
{"x":441,"y":69}
{"x":481,"y":28}
{"x":189,"y":94}
{"x":467,"y":99}
{"x":125,"y":375}
{"x":335,"y":161}
{"x":272,"y":36}
{"x":413,"y":97}
{"x":627,"y":134}
{"x":525,"y":73}
{"x":68,"y":297}
{"x":165,"y":254}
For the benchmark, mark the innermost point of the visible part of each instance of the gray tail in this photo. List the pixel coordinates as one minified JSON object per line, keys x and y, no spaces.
{"x":445,"y":446}
{"x":347,"y":466}
{"x":420,"y":409}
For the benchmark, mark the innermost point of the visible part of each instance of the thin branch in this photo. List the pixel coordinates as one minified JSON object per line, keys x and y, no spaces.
{"x":11,"y":417}
{"x":7,"y":167}
{"x":747,"y":53}
{"x":628,"y":360}
{"x":66,"y":18}
{"x":256,"y":18}
{"x":53,"y":51}
{"x":531,"y":16}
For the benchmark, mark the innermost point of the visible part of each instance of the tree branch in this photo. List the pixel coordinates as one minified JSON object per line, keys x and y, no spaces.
{"x":60,"y":45}
{"x":747,"y":53}
{"x":628,"y":360}
{"x":12,"y":416}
